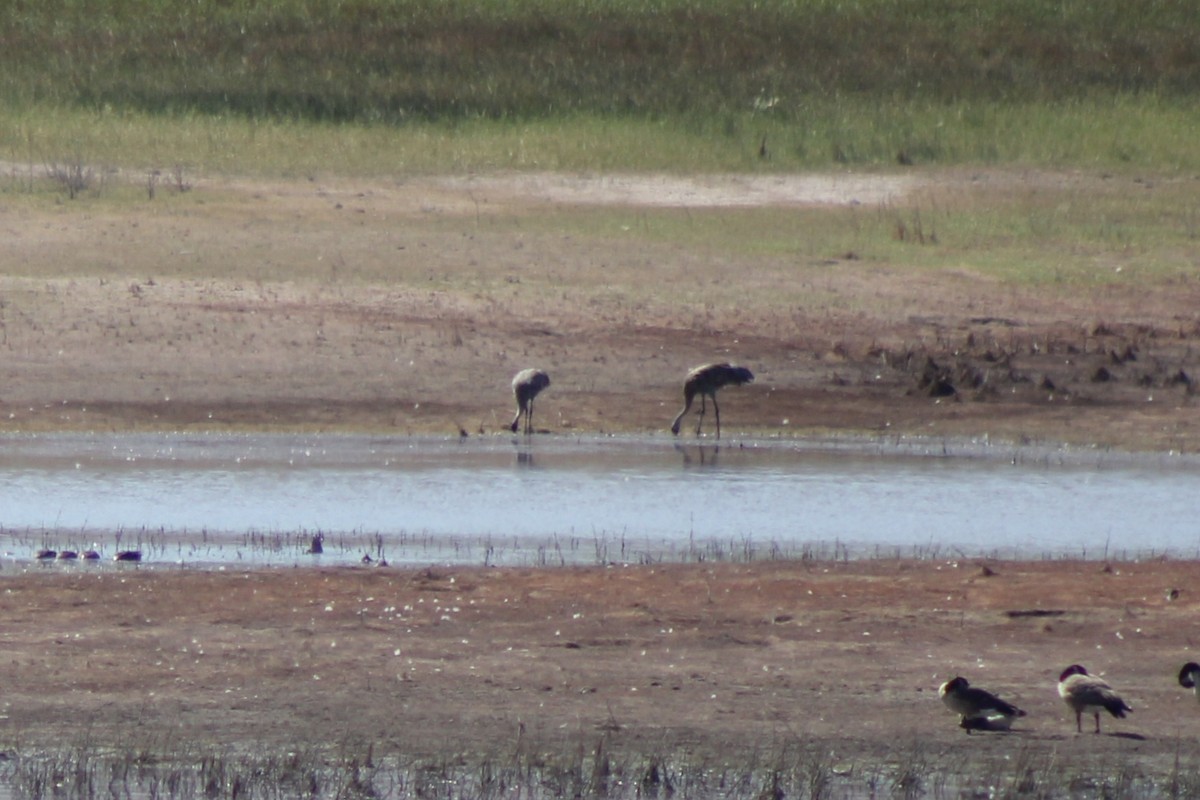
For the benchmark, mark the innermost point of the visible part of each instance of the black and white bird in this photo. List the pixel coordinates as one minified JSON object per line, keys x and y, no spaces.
{"x":1189,"y":677}
{"x":526,"y":385}
{"x":978,"y":710}
{"x":1088,"y":694}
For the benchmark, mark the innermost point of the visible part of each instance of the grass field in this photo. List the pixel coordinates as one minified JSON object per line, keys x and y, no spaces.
{"x":301,"y":86}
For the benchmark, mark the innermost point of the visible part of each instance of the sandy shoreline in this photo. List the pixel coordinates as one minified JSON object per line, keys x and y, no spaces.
{"x":406,"y":307}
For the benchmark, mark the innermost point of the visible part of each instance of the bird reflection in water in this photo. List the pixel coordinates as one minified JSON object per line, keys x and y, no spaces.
{"x":699,"y":455}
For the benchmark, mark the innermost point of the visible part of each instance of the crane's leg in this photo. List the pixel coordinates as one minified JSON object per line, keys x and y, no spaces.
{"x":700,"y":416}
{"x":529,"y":418}
{"x":717,"y":412}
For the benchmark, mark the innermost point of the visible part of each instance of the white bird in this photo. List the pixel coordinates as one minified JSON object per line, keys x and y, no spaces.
{"x":527,"y":384}
{"x":978,"y":709}
{"x":1189,"y":677}
{"x":705,"y":380}
{"x":1088,"y":694}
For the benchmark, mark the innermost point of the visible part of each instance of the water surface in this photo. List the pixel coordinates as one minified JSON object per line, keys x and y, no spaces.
{"x":259,"y":499}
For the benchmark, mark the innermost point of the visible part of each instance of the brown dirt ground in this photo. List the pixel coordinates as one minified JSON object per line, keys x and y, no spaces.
{"x":695,"y":659}
{"x":98,"y":333}
{"x":407,"y":306}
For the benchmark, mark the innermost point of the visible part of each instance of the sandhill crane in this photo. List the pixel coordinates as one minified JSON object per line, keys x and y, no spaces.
{"x":527,"y":384}
{"x":705,"y":381}
{"x":1088,"y":694}
{"x":978,"y":709}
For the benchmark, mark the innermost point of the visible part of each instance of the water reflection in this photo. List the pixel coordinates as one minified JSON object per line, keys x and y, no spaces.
{"x":262,"y":499}
{"x":698,"y":455}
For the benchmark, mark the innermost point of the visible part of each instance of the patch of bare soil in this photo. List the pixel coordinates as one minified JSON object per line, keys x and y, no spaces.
{"x":710,"y":191}
{"x":348,"y":306}
{"x":707,"y":660}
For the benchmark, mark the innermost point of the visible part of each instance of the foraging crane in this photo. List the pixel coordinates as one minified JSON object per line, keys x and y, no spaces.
{"x":705,"y":381}
{"x":527,"y":384}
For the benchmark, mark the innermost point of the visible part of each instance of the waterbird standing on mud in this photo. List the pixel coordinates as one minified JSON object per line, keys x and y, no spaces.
{"x":705,"y":381}
{"x":1088,"y":694}
{"x":527,"y":384}
{"x":1189,"y":677}
{"x":978,"y":710}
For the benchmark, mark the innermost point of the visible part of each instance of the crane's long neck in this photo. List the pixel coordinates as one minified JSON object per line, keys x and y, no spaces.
{"x":522,"y":408}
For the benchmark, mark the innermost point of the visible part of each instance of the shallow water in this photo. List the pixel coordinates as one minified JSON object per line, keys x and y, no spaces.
{"x":258,"y":499}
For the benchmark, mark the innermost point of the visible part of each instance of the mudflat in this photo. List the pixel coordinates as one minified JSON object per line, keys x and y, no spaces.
{"x":406,"y":307}
{"x":708,"y":662}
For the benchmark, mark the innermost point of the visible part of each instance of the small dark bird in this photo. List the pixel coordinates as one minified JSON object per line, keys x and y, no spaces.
{"x":978,"y":709}
{"x":1189,"y":677}
{"x":46,"y":555}
{"x":317,"y":546}
{"x":1087,"y":694}
{"x":527,"y":384}
{"x":128,"y":555}
{"x":705,"y":381}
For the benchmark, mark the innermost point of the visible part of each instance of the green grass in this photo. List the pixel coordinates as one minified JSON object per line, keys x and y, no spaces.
{"x":1120,"y":134}
{"x":1044,"y":232}
{"x":380,"y":60}
{"x":299,"y":86}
